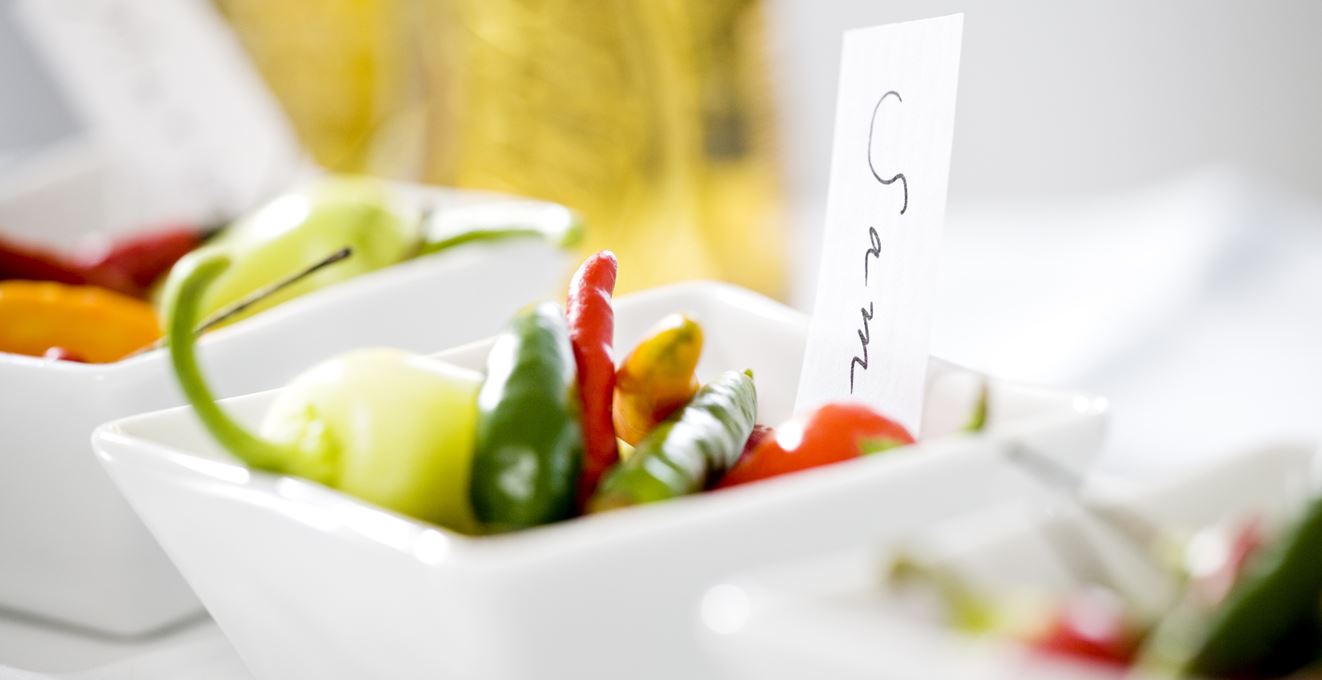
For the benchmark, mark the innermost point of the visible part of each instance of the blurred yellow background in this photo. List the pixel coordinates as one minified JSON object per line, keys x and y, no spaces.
{"x":654,"y":120}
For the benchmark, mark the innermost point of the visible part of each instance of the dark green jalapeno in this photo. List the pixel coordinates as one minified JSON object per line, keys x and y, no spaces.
{"x":689,"y":451}
{"x":529,"y":440}
{"x":1276,"y":598}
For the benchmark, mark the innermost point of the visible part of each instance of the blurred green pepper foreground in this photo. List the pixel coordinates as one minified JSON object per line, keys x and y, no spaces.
{"x":477,"y":454}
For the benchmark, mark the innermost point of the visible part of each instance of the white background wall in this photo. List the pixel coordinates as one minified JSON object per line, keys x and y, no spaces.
{"x":1085,"y":96}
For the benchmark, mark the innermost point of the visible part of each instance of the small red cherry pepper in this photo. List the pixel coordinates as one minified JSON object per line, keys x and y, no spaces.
{"x":832,"y":433}
{"x":132,"y":265}
{"x":1093,"y":625}
{"x":129,"y":266}
{"x":592,"y":332}
{"x":31,"y":263}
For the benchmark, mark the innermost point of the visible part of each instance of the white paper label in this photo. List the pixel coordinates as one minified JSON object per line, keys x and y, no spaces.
{"x":895,"y":117}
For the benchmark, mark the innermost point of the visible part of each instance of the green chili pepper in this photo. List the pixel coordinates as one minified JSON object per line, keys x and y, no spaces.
{"x":386,"y":426}
{"x":529,"y":439}
{"x":689,"y":451}
{"x":1275,"y":599}
{"x":297,"y":229}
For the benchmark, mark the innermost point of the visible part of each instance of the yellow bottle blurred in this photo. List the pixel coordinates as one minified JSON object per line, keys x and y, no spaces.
{"x":341,"y":69}
{"x":652,"y":118}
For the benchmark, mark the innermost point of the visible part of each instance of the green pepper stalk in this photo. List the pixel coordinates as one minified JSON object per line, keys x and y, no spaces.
{"x":386,"y":426}
{"x":688,"y":452}
{"x":295,"y":230}
{"x":446,"y":228}
{"x":529,"y":439}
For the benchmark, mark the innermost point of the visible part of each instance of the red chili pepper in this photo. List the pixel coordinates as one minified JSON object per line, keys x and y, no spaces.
{"x":22,"y":261}
{"x":591,"y":332}
{"x":760,"y":434}
{"x":1092,"y":625}
{"x":131,"y":266}
{"x":832,"y":433}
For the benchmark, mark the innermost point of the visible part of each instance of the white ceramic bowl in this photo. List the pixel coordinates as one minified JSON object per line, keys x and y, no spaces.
{"x":309,"y":583}
{"x":71,"y":550}
{"x":827,"y":617}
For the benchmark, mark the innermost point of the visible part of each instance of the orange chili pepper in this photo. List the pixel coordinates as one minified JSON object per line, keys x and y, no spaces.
{"x":91,"y":323}
{"x":657,"y":378}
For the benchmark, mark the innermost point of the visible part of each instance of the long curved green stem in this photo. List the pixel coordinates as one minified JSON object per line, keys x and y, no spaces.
{"x":182,"y":313}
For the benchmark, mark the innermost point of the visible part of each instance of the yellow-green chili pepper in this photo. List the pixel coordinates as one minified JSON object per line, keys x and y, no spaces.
{"x":657,"y":378}
{"x":389,"y":427}
{"x":687,"y":453}
{"x":529,"y":439}
{"x":296,"y":230}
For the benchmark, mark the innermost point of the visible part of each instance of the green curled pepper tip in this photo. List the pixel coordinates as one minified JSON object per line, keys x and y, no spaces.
{"x":182,"y":302}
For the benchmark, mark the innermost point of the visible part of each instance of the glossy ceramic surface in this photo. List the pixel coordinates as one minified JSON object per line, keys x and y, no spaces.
{"x":309,"y":583}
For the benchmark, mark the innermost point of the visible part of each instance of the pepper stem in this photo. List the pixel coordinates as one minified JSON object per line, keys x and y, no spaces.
{"x":182,"y":339}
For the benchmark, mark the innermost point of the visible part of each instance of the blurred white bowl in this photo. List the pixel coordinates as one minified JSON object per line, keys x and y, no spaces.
{"x":310,"y":583}
{"x":72,"y":551}
{"x":828,"y":617}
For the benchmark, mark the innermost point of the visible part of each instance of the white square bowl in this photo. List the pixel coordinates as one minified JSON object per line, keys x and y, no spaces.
{"x":310,"y":583}
{"x":72,"y":551}
{"x":828,"y":617}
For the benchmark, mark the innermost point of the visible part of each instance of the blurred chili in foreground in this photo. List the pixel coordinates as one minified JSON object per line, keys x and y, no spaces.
{"x":92,"y":324}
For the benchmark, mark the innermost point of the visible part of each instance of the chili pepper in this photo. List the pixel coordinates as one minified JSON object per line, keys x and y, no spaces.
{"x":1276,"y":597}
{"x":451,"y":227}
{"x":1091,"y":624}
{"x":133,"y":265}
{"x":386,"y":426}
{"x":22,"y":261}
{"x":529,"y":440}
{"x":297,"y":229}
{"x":130,"y":266}
{"x":689,"y":451}
{"x":94,"y":324}
{"x":657,"y":378}
{"x":759,"y":434}
{"x":591,"y":332}
{"x":830,"y":434}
